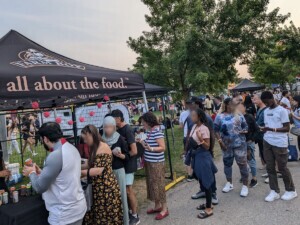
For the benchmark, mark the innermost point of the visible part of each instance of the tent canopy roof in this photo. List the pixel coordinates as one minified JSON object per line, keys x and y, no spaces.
{"x":247,"y":85}
{"x":29,"y":72}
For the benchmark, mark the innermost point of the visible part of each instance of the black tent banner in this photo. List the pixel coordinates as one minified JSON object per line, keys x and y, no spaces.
{"x":247,"y":85}
{"x":30,"y":72}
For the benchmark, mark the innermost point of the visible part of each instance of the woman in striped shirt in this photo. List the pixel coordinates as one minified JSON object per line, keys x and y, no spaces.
{"x":154,"y":165}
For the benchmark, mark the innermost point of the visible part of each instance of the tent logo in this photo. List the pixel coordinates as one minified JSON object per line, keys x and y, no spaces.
{"x":33,"y":58}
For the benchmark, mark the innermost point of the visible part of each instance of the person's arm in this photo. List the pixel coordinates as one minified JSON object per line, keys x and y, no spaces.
{"x":131,"y":141}
{"x":52,"y":169}
{"x":96,"y":171}
{"x":284,"y":117}
{"x":217,"y":127}
{"x":124,"y":154}
{"x":205,"y":142}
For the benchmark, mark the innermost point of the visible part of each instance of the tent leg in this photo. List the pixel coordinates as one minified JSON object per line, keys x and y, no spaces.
{"x":145,"y":101}
{"x":167,"y":139}
{"x":73,"y":109}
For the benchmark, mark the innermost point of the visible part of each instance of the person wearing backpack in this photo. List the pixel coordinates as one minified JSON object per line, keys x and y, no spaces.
{"x":250,"y":139}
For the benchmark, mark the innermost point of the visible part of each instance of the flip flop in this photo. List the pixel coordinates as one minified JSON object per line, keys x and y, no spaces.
{"x":153,"y":211}
{"x":202,"y":207}
{"x":204,"y":215}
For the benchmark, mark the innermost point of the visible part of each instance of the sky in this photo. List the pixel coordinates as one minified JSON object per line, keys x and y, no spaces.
{"x":92,"y":31}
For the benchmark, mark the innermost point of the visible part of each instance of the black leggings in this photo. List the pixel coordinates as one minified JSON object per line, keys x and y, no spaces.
{"x":298,"y":138}
{"x":208,"y":197}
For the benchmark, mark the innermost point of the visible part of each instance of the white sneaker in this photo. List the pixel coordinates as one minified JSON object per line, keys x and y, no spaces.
{"x":228,"y":187}
{"x":265,"y":175}
{"x":244,"y":191}
{"x":267,"y":180}
{"x":289,"y":195}
{"x":272,"y":196}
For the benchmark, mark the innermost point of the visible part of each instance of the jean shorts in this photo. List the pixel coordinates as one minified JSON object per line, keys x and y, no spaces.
{"x":129,"y":177}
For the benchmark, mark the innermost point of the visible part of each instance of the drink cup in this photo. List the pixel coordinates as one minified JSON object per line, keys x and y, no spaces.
{"x":15,"y":197}
{"x":28,"y":162}
{"x":5,"y":198}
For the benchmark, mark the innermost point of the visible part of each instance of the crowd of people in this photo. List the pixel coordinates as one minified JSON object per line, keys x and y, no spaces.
{"x":109,"y":171}
{"x":236,"y":123}
{"x":239,"y":123}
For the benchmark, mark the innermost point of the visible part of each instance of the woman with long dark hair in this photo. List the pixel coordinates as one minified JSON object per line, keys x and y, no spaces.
{"x":250,"y":107}
{"x":230,"y":128}
{"x":154,"y":146}
{"x":107,"y":204}
{"x":202,"y":163}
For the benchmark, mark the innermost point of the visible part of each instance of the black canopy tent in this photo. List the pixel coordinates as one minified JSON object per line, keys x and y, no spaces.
{"x":247,"y":85}
{"x":29,"y":72}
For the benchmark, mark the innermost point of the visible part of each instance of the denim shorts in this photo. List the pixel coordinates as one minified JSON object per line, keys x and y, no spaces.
{"x":129,"y":177}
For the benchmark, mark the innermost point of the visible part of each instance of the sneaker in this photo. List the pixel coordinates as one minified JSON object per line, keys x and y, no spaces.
{"x":253,"y":183}
{"x":190,"y":178}
{"x":228,"y":187}
{"x":272,"y":196}
{"x":244,"y":191}
{"x":289,"y":195}
{"x":134,"y":220}
{"x":267,"y":180}
{"x":198,"y":195}
{"x":265,"y":175}
{"x":214,"y":200}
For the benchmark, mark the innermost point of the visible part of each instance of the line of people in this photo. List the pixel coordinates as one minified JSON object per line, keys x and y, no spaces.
{"x":237,"y":127}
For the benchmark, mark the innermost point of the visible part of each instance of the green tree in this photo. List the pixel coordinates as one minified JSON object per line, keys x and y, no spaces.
{"x":194,"y":44}
{"x":279,"y":60}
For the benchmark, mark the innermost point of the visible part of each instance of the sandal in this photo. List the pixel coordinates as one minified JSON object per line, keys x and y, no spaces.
{"x":204,"y":215}
{"x":202,"y":207}
{"x":153,"y":211}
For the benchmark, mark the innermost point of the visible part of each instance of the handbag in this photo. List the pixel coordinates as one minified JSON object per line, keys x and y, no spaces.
{"x":295,"y":131}
{"x":293,"y":153}
{"x":88,"y":191}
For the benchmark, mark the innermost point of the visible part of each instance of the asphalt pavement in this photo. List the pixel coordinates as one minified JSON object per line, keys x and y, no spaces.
{"x":232,"y":209}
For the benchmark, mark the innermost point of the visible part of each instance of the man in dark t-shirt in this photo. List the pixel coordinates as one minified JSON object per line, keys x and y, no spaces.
{"x":126,"y":132}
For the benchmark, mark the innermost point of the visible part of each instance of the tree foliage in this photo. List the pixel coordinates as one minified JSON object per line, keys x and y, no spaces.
{"x":194,"y":44}
{"x":279,"y":60}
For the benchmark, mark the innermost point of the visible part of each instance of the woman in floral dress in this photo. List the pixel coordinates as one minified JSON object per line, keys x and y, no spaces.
{"x":107,"y":204}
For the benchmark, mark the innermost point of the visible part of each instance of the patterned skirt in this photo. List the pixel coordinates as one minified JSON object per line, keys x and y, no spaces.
{"x":155,"y":181}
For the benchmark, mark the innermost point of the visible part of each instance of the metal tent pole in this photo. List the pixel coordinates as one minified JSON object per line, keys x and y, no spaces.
{"x":73,"y":109}
{"x":167,"y":139}
{"x":145,"y":100}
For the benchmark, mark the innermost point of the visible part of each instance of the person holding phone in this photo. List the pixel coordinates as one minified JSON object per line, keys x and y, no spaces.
{"x":120,"y":153}
{"x":277,"y":127}
{"x":154,"y":146}
{"x":230,"y":128}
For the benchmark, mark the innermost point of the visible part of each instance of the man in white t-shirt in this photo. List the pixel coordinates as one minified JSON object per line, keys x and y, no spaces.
{"x":277,"y":126}
{"x":285,"y":102}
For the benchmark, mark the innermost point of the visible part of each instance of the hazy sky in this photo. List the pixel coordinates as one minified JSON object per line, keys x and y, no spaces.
{"x":91,"y":31}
